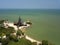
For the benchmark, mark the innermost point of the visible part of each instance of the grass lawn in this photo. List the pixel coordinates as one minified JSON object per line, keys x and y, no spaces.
{"x":21,"y":41}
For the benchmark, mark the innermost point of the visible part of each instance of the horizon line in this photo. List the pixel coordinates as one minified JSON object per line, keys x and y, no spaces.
{"x":29,"y":8}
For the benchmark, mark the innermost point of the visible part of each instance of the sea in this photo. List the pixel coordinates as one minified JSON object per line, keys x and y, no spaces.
{"x":45,"y":22}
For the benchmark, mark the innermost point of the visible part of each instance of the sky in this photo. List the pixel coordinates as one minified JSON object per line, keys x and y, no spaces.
{"x":29,"y":4}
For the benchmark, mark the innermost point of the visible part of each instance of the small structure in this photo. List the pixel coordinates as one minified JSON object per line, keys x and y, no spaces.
{"x":19,"y":23}
{"x":18,"y":26}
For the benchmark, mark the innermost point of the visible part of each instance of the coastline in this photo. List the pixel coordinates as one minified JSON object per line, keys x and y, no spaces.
{"x":33,"y":40}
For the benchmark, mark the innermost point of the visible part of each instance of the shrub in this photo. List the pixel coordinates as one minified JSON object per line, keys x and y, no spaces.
{"x":4,"y":41}
{"x":44,"y":42}
{"x":1,"y":21}
{"x":13,"y":37}
{"x":34,"y":43}
{"x":19,"y":32}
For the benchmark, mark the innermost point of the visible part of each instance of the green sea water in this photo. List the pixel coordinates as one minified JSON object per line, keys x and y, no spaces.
{"x":45,"y":22}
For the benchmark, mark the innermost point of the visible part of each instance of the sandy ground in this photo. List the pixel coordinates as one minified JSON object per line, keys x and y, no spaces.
{"x":32,"y":40}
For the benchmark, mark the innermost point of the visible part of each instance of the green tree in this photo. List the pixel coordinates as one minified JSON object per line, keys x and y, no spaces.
{"x":44,"y":42}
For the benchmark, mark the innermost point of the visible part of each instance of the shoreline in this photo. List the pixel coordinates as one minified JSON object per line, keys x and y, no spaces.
{"x":21,"y":28}
{"x":33,"y":40}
